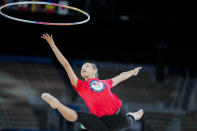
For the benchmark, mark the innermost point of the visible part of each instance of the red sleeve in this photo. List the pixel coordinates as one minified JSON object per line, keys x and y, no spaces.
{"x":110,"y":82}
{"x":80,"y":83}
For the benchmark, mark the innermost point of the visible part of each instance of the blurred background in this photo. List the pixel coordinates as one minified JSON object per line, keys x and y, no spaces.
{"x":121,"y":35}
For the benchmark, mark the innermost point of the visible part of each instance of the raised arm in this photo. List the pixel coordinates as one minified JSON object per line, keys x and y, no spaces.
{"x":125,"y":75}
{"x":73,"y":78}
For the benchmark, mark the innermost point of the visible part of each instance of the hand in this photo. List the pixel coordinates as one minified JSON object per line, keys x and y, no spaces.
{"x":48,"y":38}
{"x":136,"y":70}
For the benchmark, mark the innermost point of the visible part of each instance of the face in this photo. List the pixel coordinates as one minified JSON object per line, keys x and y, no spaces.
{"x":87,"y":70}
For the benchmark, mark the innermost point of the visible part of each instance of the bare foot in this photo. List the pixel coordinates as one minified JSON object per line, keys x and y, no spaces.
{"x":137,"y":115}
{"x":52,"y":101}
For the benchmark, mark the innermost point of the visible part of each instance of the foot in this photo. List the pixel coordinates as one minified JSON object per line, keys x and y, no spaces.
{"x":52,"y":101}
{"x":137,"y":115}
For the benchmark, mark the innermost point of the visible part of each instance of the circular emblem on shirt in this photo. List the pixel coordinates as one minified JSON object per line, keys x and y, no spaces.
{"x":97,"y":86}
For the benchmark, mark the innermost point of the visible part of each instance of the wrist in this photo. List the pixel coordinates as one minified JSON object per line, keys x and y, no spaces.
{"x":51,"y":43}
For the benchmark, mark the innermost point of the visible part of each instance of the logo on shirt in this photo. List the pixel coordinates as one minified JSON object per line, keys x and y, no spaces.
{"x":97,"y":86}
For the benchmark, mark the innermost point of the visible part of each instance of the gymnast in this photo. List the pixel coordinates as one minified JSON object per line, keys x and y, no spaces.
{"x":105,"y":109}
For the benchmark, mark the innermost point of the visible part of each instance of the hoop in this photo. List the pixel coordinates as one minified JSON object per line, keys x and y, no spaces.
{"x":44,"y":3}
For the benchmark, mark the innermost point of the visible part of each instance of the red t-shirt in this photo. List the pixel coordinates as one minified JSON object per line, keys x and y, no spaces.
{"x":98,"y":96}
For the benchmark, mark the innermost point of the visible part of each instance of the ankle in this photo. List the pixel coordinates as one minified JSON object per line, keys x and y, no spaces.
{"x":131,"y":117}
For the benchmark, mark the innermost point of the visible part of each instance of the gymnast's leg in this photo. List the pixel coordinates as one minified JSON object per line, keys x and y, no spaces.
{"x":68,"y":113}
{"x":90,"y":121}
{"x":136,"y":115}
{"x":122,"y":119}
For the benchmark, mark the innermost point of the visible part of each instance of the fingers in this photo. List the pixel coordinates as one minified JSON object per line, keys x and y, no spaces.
{"x":138,"y":68}
{"x":136,"y":71}
{"x":43,"y":36}
{"x":46,"y":36}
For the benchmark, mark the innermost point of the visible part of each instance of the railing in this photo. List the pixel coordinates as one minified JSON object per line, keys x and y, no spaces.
{"x":181,"y":93}
{"x":4,"y":117}
{"x":175,"y":124}
{"x":30,"y":92}
{"x":176,"y":92}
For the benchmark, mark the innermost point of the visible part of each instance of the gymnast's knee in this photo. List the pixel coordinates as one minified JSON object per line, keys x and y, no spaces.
{"x":73,"y":118}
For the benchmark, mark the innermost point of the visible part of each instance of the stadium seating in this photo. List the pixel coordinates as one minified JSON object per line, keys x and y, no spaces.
{"x":18,"y":83}
{"x":189,"y":122}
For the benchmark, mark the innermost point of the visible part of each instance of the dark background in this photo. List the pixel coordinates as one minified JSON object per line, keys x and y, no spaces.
{"x":156,"y":32}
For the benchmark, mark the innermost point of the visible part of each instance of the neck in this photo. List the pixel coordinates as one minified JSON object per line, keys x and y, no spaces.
{"x":90,"y":77}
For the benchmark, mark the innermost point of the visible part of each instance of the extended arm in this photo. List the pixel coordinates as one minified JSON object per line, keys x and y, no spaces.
{"x":73,"y":78}
{"x":125,"y":75}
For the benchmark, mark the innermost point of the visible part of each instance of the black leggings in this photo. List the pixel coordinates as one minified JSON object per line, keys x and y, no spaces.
{"x":105,"y":123}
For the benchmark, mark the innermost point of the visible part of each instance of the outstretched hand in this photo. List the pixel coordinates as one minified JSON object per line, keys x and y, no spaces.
{"x":125,"y":75}
{"x":48,"y":38}
{"x":136,"y":70}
